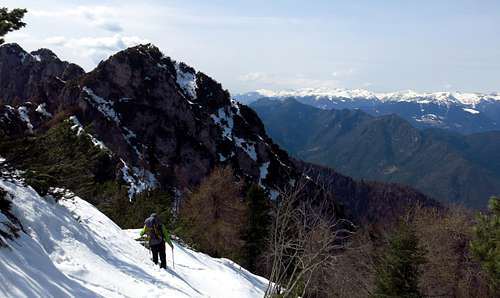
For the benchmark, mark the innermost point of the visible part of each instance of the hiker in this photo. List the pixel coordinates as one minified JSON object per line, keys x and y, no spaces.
{"x":157,"y":235}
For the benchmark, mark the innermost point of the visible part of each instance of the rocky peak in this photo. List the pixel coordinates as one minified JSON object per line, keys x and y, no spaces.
{"x":144,"y":67}
{"x":172,"y":123}
{"x":165,"y":124}
{"x":37,"y":77}
{"x":44,"y":55}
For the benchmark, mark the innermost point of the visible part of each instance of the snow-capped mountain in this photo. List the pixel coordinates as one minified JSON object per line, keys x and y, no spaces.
{"x":337,"y":94}
{"x":448,"y":166}
{"x":67,"y":248}
{"x":461,"y":112}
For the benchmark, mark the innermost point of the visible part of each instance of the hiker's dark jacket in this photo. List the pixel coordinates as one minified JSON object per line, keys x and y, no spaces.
{"x":156,"y":231}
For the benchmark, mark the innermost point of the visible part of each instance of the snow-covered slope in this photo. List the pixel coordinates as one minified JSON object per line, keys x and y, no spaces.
{"x":73,"y":250}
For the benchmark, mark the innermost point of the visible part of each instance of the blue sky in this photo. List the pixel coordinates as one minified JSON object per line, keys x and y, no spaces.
{"x":438,"y":45}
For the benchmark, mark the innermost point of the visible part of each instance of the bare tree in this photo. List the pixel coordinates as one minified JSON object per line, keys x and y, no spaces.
{"x":215,"y":215}
{"x":450,"y":271}
{"x":304,"y":236}
{"x":353,"y":272}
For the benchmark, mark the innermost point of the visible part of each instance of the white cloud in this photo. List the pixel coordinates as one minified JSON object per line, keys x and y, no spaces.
{"x":102,"y":17}
{"x":107,"y":43}
{"x":287,"y":81}
{"x":97,"y":48}
{"x":109,"y":25}
{"x":55,"y":41}
{"x":111,"y":18}
{"x":100,"y":48}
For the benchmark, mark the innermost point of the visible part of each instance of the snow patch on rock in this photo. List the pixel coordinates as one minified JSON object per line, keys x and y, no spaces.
{"x":186,"y":80}
{"x":429,"y":119}
{"x":264,"y":170}
{"x":247,"y":146}
{"x":79,"y":130}
{"x":138,"y":179}
{"x":471,"y":111}
{"x":274,"y":194}
{"x":223,"y":158}
{"x":23,"y":56}
{"x":23,"y":114}
{"x":225,"y":121}
{"x":104,"y":106}
{"x":235,"y":105}
{"x":41,"y":109}
{"x":129,"y":136}
{"x":9,"y":112}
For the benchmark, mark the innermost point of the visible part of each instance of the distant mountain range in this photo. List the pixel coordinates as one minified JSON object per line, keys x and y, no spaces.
{"x":448,"y":166}
{"x":460,"y":112}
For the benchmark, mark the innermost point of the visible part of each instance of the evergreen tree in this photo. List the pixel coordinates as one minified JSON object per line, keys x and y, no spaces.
{"x":259,"y":221}
{"x":10,"y":21}
{"x":486,"y":246}
{"x":399,"y":271}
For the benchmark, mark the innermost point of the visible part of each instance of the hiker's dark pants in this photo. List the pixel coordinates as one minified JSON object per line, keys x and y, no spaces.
{"x":159,"y":249}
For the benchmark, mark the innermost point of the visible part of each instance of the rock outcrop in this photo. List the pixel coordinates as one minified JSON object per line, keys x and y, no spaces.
{"x":166,"y":123}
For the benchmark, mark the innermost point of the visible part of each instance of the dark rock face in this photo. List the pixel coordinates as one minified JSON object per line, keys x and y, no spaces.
{"x":10,"y":122}
{"x":168,"y":123}
{"x":22,"y":119}
{"x":37,"y":77}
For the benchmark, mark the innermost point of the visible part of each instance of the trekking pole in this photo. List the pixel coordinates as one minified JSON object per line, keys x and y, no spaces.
{"x":173,"y":262}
